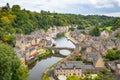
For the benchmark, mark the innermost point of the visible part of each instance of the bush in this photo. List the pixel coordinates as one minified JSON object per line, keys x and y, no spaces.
{"x":45,"y":77}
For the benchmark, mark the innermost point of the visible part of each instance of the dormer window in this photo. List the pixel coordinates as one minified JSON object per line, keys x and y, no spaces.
{"x":22,"y":41}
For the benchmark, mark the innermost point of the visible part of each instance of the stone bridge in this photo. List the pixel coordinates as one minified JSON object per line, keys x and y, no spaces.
{"x":61,"y":48}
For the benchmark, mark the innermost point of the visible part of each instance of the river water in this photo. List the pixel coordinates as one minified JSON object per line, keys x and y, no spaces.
{"x":37,"y":71}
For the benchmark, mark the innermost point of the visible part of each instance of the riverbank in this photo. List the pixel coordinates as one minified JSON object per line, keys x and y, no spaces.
{"x":39,"y":57}
{"x":51,"y":69}
{"x":49,"y":72}
{"x":70,"y":38}
{"x":39,"y":67}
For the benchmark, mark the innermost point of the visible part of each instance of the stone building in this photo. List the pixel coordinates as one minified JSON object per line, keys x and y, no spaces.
{"x":74,"y":68}
{"x":95,"y":58}
{"x":105,"y":34}
{"x":117,"y":68}
{"x":69,"y":68}
{"x":117,"y":42}
{"x":114,"y":66}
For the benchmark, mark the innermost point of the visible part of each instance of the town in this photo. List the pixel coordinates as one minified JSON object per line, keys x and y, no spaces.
{"x":60,"y":40}
{"x":88,"y":56}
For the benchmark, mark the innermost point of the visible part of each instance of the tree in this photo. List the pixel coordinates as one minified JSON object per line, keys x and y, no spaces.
{"x":95,"y":31}
{"x":10,"y":66}
{"x":105,"y":75}
{"x":116,"y":24}
{"x":118,"y":54}
{"x":24,"y":21}
{"x":15,"y":8}
{"x":111,"y":54}
{"x":117,"y":35}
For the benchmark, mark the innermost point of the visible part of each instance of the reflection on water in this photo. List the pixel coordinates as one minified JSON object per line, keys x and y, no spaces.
{"x":63,"y":42}
{"x":37,"y":71}
{"x":64,"y":52}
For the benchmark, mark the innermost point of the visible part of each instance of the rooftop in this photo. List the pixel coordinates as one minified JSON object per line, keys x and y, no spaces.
{"x":70,"y":65}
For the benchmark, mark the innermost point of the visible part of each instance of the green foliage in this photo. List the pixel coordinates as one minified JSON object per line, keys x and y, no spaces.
{"x":82,"y":26}
{"x":117,"y":35}
{"x":78,"y":59}
{"x":15,"y":8}
{"x":44,"y":54}
{"x":116,"y":24}
{"x":109,"y":28}
{"x":102,"y":75}
{"x":14,"y":20}
{"x":105,"y":75}
{"x":73,"y":78}
{"x":71,"y":29}
{"x":95,"y":31}
{"x":10,"y":66}
{"x":113,"y":55}
{"x":45,"y":77}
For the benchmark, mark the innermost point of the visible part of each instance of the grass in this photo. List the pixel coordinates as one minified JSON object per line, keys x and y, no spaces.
{"x":107,"y":28}
{"x":41,"y":51}
{"x":51,"y":67}
{"x":44,"y":54}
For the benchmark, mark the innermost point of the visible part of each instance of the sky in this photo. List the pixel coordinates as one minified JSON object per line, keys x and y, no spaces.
{"x":84,"y":7}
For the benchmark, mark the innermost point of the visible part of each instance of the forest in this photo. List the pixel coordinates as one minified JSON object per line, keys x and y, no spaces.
{"x":14,"y":20}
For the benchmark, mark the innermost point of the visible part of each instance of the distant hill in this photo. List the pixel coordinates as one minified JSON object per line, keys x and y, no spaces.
{"x":14,"y":20}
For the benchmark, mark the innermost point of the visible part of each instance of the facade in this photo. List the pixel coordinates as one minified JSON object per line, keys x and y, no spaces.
{"x":117,"y":70}
{"x":105,"y":34}
{"x":74,"y":68}
{"x":117,"y":42}
{"x":114,"y":66}
{"x":69,"y":68}
{"x":95,"y":58}
{"x":26,"y":45}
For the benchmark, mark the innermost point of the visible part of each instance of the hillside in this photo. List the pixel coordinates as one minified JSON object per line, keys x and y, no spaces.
{"x":15,"y":20}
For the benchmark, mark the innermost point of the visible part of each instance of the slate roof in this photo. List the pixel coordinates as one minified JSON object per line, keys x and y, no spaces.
{"x":48,"y":42}
{"x":89,"y":67}
{"x":70,"y":65}
{"x":16,"y":49}
{"x":117,"y":41}
{"x":94,"y":56}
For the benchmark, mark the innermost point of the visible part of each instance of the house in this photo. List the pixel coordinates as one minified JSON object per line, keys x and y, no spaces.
{"x":110,"y":44}
{"x":102,"y":50}
{"x":104,"y":34}
{"x":114,"y":66}
{"x":98,"y":62}
{"x":117,"y":65}
{"x":91,"y":56}
{"x":89,"y":49}
{"x":49,"y":43}
{"x":117,"y":43}
{"x":19,"y":40}
{"x":42,"y":43}
{"x":95,"y":58}
{"x":69,"y":68}
{"x":96,"y":44}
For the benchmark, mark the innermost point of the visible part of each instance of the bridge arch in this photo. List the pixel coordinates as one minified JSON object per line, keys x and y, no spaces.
{"x":57,"y":49}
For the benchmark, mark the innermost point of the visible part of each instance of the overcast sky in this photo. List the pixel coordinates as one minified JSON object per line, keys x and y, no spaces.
{"x":106,"y":7}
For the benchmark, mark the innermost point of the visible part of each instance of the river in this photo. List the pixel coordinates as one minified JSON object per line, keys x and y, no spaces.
{"x":37,"y":71}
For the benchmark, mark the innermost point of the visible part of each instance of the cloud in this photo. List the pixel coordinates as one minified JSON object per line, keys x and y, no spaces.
{"x":68,"y":6}
{"x":116,"y":14}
